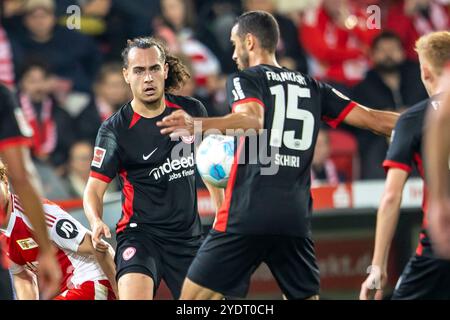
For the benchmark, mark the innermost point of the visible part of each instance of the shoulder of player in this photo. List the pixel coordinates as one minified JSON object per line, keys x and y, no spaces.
{"x":189,"y":104}
{"x":254,"y":73}
{"x":415,"y":112}
{"x":53,"y":212}
{"x":117,"y":120}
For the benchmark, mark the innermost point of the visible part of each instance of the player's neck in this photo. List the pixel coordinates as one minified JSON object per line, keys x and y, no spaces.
{"x":148,"y":110}
{"x":265,"y":58}
{"x":437,"y":87}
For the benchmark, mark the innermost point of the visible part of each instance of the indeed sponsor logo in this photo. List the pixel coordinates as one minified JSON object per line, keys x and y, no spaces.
{"x":174,"y":165}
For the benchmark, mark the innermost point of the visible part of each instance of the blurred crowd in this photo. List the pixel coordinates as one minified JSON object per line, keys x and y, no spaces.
{"x":62,"y":59}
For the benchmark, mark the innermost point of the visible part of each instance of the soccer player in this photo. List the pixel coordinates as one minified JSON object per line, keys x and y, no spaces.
{"x":83,"y":278}
{"x":159,"y":232}
{"x":266,"y":218}
{"x":425,"y":276}
{"x":14,"y":143}
{"x":437,"y":150}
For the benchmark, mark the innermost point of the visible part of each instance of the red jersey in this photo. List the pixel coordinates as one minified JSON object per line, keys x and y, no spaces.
{"x":66,"y":234}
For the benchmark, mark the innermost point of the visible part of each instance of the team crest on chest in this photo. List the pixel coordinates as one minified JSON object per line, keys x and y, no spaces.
{"x":27,"y":244}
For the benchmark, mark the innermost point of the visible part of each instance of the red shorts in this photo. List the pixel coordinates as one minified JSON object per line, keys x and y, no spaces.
{"x":89,"y":290}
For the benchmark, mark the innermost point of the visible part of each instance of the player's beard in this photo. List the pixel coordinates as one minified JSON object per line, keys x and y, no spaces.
{"x":244,"y":60}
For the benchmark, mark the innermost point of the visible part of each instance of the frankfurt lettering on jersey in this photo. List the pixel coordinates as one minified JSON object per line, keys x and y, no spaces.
{"x":286,"y":76}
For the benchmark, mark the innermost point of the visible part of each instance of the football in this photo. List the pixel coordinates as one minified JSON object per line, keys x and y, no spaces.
{"x":215,"y":158}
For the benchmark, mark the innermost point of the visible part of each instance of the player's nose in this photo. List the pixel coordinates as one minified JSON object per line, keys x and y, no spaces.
{"x":148,"y":77}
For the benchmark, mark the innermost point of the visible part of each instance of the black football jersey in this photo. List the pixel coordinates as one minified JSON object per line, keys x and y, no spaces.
{"x":157,"y":174}
{"x":14,"y":130}
{"x":269,"y":189}
{"x":405,"y":151}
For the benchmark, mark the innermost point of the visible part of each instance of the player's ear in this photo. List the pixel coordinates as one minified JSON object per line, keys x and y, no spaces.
{"x":125,"y":75}
{"x":249,"y":41}
{"x":427,"y":75}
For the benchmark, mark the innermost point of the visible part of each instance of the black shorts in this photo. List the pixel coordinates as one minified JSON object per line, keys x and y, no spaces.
{"x":226,"y":261}
{"x":140,"y":252}
{"x":424,"y":278}
{"x":6,"y":291}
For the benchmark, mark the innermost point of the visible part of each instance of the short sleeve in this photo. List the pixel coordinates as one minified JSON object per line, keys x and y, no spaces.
{"x":201,"y":110}
{"x":335,"y":105}
{"x":197,"y":109}
{"x":106,"y":161}
{"x":401,"y":150}
{"x":14,"y":130}
{"x":242,"y":88}
{"x":65,"y":231}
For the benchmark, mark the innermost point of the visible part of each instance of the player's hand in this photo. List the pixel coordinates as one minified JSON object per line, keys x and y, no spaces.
{"x":177,"y":124}
{"x":373,"y":286}
{"x":100,"y":229}
{"x":49,"y":275}
{"x":439,"y":226}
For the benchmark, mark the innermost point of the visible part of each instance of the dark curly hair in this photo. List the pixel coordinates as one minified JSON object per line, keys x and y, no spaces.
{"x":178,"y":72}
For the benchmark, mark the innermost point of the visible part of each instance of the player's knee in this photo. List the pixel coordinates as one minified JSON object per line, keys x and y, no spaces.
{"x":135,"y":286}
{"x":193,"y":291}
{"x":189,"y":290}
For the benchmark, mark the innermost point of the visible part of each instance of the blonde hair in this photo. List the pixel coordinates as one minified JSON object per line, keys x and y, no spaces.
{"x":435,"y":48}
{"x":3,"y":177}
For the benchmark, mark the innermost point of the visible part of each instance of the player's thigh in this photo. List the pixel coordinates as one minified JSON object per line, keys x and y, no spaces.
{"x":292,"y":262}
{"x":138,"y":264}
{"x":424,"y":278}
{"x":224,"y":264}
{"x":176,"y":259}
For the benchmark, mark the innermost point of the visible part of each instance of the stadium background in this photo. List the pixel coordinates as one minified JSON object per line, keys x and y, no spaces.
{"x":62,"y":60}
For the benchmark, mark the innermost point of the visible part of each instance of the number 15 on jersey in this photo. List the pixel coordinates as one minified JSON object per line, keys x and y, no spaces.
{"x":291,"y":111}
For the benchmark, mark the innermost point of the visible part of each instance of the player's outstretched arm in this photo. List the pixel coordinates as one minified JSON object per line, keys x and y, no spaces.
{"x":379,"y":122}
{"x":18,"y":163}
{"x":93,"y":209}
{"x":25,"y":285}
{"x":387,"y":219}
{"x":104,"y":258}
{"x":217,"y":194}
{"x":246,"y":116}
